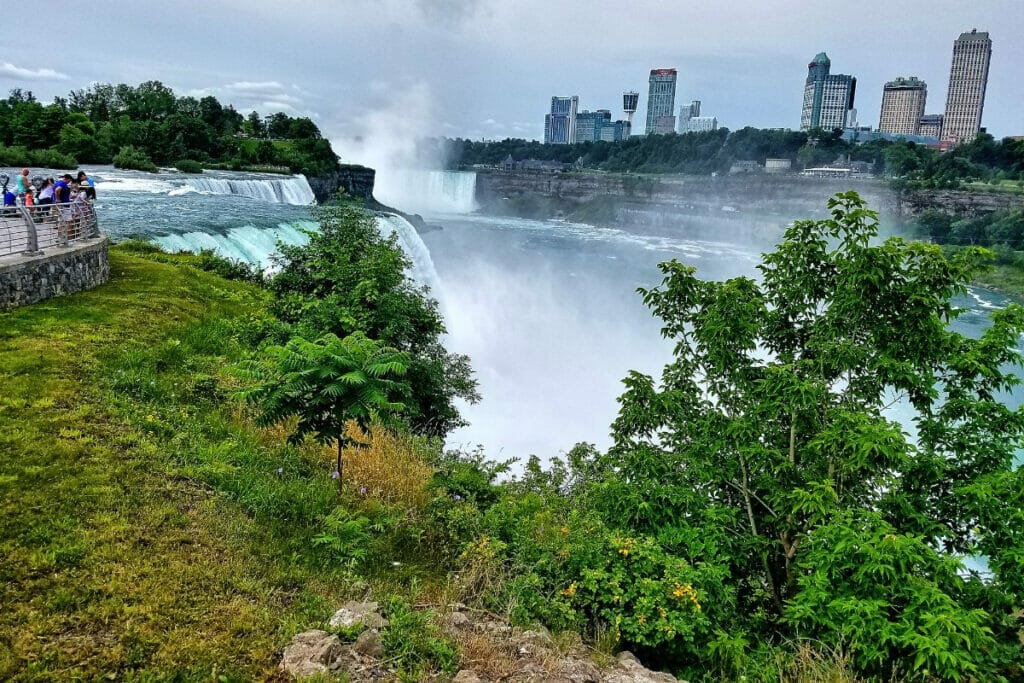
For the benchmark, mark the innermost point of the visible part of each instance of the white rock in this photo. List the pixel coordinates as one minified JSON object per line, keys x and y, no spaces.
{"x":310,"y":653}
{"x":353,"y":613}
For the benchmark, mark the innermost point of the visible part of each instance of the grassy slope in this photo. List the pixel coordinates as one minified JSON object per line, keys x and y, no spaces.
{"x":112,"y":560}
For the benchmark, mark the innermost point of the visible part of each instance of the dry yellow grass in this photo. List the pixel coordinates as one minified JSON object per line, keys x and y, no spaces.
{"x":391,"y":468}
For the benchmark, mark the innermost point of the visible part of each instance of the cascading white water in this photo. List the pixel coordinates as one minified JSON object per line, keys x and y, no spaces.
{"x":285,"y":190}
{"x":423,"y":270}
{"x":245,"y":243}
{"x":427,"y":191}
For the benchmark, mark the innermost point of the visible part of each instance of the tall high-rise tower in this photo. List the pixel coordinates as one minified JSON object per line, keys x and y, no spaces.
{"x":968,"y":78}
{"x":629,"y":102}
{"x":560,"y":124}
{"x":630,"y":99}
{"x":828,"y":98}
{"x":903,"y":103}
{"x":661,"y":102}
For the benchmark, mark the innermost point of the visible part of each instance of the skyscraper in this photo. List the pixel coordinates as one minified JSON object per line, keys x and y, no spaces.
{"x":968,"y":77}
{"x":828,"y":98}
{"x":903,"y":103}
{"x":661,"y":102}
{"x":560,"y":124}
{"x":687,"y":112}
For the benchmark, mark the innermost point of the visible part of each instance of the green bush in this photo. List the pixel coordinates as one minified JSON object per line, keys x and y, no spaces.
{"x":14,"y":156}
{"x":134,"y":158}
{"x":415,"y":644}
{"x":43,"y":158}
{"x":188,"y":166}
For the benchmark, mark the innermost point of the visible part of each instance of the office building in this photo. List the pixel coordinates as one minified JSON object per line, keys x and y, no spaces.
{"x":560,"y":124}
{"x":968,"y":78}
{"x":930,"y":125}
{"x":687,"y":112}
{"x":828,"y":97}
{"x":590,"y":123}
{"x":661,"y":102}
{"x":903,"y":103}
{"x":699,"y":124}
{"x":594,"y":126}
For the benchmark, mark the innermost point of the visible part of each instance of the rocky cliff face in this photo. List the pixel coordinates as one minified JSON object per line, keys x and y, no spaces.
{"x":958,"y":202}
{"x":356,"y":180}
{"x":750,"y":195}
{"x":748,"y":199}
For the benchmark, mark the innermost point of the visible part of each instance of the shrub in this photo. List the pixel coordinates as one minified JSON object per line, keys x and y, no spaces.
{"x":130,"y":157}
{"x":188,"y":166}
{"x":14,"y":156}
{"x":415,"y":643}
{"x":51,"y":158}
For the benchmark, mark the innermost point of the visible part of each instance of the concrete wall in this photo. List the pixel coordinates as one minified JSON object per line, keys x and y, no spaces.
{"x":65,"y":270}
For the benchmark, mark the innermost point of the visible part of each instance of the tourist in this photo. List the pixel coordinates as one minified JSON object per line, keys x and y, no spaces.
{"x":62,"y":190}
{"x":23,"y":184}
{"x":46,"y":193}
{"x":87,"y":184}
{"x":81,"y":211}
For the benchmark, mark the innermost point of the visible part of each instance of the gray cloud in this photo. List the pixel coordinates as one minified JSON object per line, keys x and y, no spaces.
{"x":450,"y":11}
{"x":470,"y":61}
{"x":11,"y":71}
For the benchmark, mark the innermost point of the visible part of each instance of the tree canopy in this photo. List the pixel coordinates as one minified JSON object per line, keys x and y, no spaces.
{"x":350,"y":279}
{"x":92,"y":125}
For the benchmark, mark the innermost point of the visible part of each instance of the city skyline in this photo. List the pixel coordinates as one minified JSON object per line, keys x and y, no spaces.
{"x":483,"y":69}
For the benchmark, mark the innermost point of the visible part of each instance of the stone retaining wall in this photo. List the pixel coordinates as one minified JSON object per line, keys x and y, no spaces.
{"x":64,"y":270}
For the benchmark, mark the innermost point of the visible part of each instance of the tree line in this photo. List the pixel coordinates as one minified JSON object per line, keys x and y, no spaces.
{"x":148,"y":124}
{"x":984,"y":159}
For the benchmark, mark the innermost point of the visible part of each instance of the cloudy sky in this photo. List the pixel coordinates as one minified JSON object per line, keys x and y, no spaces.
{"x":488,"y":68}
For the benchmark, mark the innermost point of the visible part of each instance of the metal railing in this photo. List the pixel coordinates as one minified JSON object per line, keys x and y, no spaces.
{"x":30,"y":229}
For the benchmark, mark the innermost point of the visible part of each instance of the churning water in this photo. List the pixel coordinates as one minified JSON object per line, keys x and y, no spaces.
{"x":547,"y":310}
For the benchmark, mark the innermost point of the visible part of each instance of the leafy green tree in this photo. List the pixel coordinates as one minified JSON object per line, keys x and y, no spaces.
{"x":254,"y":126}
{"x":770,"y":437}
{"x":277,"y":125}
{"x":325,"y":383}
{"x":349,"y":278}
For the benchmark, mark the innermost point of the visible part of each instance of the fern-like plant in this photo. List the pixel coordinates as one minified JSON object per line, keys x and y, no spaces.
{"x":325,"y":383}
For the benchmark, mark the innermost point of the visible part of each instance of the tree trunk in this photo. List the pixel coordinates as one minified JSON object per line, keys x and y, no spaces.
{"x":341,"y":472}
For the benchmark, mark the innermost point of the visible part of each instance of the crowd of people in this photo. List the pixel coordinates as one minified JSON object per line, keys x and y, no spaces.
{"x":65,"y":200}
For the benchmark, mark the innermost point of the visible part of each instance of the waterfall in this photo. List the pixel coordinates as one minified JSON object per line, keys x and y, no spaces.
{"x":428,"y":192}
{"x":255,"y":245}
{"x":422,"y":270}
{"x":245,"y":243}
{"x":284,"y":190}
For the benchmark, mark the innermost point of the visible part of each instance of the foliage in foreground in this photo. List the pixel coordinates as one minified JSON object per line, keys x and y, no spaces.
{"x":765,"y":477}
{"x":350,"y":279}
{"x":787,"y":482}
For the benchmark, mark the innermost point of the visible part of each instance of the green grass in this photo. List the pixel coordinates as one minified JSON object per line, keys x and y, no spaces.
{"x":144,"y":527}
{"x":1004,"y":278}
{"x":1010,"y":186}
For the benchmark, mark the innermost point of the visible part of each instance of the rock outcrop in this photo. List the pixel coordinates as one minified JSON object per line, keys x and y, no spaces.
{"x":490,"y":650}
{"x":356,"y":180}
